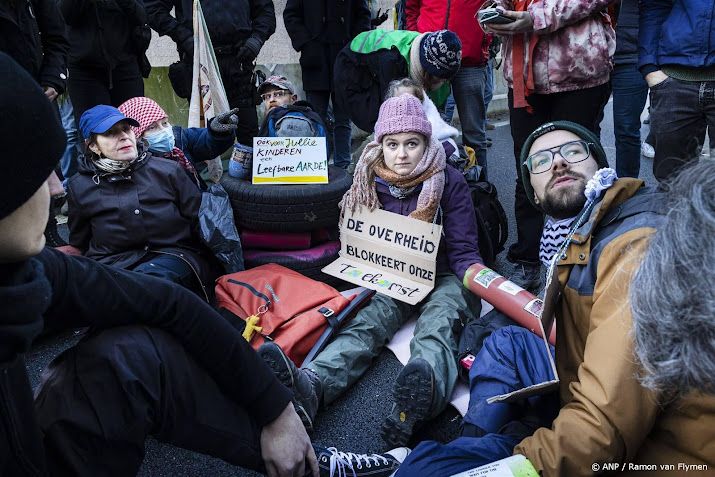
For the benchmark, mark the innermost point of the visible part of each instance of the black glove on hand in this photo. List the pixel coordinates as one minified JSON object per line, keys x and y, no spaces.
{"x":187,"y":49}
{"x":245,"y":54}
{"x":225,"y":123}
{"x":249,"y":51}
{"x":380,"y":18}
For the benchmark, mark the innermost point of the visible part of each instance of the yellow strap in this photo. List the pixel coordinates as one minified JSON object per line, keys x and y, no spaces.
{"x":251,"y":327}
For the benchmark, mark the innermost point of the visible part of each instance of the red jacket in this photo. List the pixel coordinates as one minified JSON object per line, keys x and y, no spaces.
{"x":456,"y":16}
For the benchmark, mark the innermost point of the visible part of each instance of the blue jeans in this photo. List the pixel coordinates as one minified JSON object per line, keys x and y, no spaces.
{"x":630,"y":92}
{"x":341,"y":130}
{"x":448,"y":112}
{"x":511,"y":358}
{"x":68,"y":161}
{"x":489,"y":86}
{"x":169,"y":267}
{"x":469,"y":87}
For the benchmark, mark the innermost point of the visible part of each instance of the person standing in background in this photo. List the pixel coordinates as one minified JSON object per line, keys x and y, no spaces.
{"x":33,"y":34}
{"x":630,"y":92}
{"x":108,"y":39}
{"x":319,"y":29}
{"x":469,"y":84}
{"x":676,"y":56}
{"x":557,"y":65}
{"x":238,"y":30}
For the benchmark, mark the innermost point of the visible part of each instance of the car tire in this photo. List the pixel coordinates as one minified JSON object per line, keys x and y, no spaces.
{"x":287,"y":208}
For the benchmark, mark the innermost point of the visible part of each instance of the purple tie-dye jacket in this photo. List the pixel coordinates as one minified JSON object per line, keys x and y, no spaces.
{"x":575,"y":44}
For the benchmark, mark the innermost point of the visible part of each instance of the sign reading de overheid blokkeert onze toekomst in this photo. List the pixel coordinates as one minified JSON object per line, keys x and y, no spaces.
{"x":390,"y":253}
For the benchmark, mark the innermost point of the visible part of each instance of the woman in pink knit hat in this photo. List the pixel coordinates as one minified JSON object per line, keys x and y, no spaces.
{"x":404,"y":171}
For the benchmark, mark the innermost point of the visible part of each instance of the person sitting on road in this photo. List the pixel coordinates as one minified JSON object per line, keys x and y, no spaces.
{"x":442,"y":131}
{"x":673,"y":325}
{"x":188,"y":146}
{"x":285,"y":115}
{"x":404,"y":172}
{"x":599,"y":414}
{"x":158,"y":360}
{"x":133,"y":210}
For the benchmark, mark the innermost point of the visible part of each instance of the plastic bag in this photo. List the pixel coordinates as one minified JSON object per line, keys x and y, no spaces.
{"x":218,"y":230}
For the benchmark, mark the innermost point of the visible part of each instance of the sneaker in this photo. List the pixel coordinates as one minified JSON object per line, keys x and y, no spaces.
{"x":413,"y":395}
{"x":647,"y":150}
{"x":333,"y":463}
{"x":304,"y":383}
{"x":489,"y":142}
{"x":527,"y":276}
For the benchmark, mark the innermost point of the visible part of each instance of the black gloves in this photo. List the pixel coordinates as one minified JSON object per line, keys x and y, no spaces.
{"x":225,"y":123}
{"x":249,"y":51}
{"x":379,"y":18}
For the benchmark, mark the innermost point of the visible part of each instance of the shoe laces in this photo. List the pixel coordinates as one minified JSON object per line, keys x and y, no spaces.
{"x":341,"y":462}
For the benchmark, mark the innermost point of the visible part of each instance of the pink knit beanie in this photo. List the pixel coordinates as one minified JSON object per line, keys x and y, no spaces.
{"x":145,"y":111}
{"x":402,"y":114}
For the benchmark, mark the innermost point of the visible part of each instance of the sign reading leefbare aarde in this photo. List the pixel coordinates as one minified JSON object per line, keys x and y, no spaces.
{"x":390,"y":253}
{"x":289,"y":160}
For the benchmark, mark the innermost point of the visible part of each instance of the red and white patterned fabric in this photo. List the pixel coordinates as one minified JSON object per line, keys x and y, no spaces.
{"x":144,"y":110}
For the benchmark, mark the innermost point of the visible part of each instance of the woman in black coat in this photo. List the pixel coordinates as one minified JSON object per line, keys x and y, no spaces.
{"x":106,"y":60}
{"x":135,"y":211}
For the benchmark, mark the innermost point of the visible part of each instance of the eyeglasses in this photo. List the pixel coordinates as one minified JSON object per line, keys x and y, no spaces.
{"x":572,"y":152}
{"x":274,"y":94}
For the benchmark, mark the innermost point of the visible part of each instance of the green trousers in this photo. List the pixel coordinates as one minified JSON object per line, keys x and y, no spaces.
{"x":352,"y":351}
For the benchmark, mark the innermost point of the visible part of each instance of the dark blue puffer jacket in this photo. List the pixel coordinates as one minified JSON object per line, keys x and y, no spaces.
{"x":676,"y":32}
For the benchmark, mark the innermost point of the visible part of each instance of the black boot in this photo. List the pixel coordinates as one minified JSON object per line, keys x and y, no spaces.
{"x":413,"y":397}
{"x":305,"y":383}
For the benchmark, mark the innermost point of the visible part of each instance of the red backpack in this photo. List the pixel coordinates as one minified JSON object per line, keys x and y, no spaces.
{"x":280,"y":305}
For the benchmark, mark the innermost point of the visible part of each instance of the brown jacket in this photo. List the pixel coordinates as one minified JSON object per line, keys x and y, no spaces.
{"x":606,"y":415}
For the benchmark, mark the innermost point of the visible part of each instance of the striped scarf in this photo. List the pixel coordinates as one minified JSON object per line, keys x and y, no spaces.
{"x":552,"y":237}
{"x":429,"y":172}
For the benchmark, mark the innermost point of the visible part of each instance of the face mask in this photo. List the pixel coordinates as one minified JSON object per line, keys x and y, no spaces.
{"x":161,"y":141}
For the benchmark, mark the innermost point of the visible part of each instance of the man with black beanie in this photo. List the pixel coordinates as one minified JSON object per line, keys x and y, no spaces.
{"x":597,"y":412}
{"x":156,"y":360}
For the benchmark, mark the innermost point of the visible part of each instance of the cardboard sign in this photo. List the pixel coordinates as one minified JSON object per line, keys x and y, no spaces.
{"x":514,"y":466}
{"x":389,"y":253}
{"x":290,"y":160}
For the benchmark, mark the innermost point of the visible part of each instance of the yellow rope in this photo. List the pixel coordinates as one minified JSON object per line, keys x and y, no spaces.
{"x":251,"y":327}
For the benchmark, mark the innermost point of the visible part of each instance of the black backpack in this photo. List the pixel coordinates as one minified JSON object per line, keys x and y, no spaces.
{"x":492,"y":226}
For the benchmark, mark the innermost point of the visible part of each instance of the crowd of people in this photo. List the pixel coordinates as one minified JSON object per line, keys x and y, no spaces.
{"x":616,"y":262}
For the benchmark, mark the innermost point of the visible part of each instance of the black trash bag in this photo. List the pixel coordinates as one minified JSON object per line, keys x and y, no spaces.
{"x":218,"y":230}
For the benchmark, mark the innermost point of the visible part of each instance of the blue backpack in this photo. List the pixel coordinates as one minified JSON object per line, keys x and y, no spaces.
{"x":297,"y":113}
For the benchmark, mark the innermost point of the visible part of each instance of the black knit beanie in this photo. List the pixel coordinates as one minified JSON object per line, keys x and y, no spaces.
{"x":594,"y":146}
{"x":31,"y":135}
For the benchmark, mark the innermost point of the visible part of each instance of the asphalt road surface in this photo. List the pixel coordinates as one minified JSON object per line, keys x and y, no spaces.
{"x":353,"y":422}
